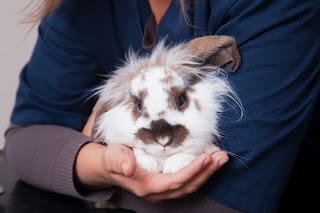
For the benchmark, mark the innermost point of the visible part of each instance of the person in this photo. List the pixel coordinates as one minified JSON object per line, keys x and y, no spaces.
{"x":48,"y":142}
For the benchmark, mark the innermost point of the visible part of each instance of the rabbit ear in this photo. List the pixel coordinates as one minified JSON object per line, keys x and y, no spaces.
{"x":217,"y":50}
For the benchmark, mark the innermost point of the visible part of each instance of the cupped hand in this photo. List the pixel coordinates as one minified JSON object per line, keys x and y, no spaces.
{"x":155,"y":187}
{"x":115,"y":165}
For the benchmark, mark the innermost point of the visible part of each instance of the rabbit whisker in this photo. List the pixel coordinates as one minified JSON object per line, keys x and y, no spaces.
{"x":238,"y":157}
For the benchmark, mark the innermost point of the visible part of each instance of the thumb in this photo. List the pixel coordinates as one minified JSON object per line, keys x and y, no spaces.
{"x":120,"y":160}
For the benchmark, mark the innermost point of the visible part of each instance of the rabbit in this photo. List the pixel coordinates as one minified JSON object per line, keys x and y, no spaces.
{"x":166,"y":105}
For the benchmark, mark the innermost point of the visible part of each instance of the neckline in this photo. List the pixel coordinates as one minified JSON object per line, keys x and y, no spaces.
{"x":165,"y":14}
{"x":150,"y":29}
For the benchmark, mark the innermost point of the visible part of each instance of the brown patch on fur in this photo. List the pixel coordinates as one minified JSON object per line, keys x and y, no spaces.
{"x":194,"y":80}
{"x":190,"y":89}
{"x":162,"y":129}
{"x":160,"y":61}
{"x":168,"y":79}
{"x":174,"y":94}
{"x":167,"y":71}
{"x":197,"y":104}
{"x":135,"y":112}
{"x":162,"y":114}
{"x":186,"y":102}
{"x":142,"y":95}
{"x":145,"y":114}
{"x":143,"y":76}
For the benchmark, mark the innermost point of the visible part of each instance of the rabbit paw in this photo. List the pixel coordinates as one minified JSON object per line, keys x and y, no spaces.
{"x":176,"y":162}
{"x":148,"y":163}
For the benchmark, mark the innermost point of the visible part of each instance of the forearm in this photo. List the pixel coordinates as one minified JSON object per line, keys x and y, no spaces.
{"x":44,"y":156}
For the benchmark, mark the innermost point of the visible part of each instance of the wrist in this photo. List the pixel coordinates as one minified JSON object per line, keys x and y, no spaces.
{"x":88,"y":169}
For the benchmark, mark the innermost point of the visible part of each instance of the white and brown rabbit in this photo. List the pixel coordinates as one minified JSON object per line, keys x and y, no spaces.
{"x":166,"y":106}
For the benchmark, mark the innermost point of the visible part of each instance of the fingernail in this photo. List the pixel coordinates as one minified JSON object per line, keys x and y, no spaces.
{"x":124,"y":167}
{"x":222,"y":162}
{"x":214,"y":150}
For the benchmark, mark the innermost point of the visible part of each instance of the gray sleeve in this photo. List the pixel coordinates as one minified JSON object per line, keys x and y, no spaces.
{"x":44,"y":156}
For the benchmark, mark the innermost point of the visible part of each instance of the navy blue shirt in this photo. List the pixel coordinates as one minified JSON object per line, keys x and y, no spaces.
{"x":278,"y":81}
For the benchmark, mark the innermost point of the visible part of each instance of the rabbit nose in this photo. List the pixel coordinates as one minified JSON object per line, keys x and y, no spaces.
{"x":162,"y":132}
{"x":164,"y":141}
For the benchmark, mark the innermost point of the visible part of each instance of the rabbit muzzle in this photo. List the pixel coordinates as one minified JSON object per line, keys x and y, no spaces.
{"x":163,"y":133}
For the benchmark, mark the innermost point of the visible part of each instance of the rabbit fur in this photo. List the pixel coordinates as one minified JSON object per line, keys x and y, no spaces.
{"x":166,"y":106}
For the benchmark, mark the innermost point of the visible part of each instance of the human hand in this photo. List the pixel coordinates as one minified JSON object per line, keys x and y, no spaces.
{"x":99,"y":166}
{"x":155,"y":187}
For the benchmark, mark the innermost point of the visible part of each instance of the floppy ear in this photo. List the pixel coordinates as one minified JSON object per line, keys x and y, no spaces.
{"x":217,"y":50}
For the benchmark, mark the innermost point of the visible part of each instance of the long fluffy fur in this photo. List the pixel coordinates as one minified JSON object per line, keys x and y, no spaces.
{"x":201,"y":120}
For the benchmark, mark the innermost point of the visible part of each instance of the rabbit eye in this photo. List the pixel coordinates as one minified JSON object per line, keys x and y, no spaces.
{"x":180,"y":101}
{"x":139,"y":105}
